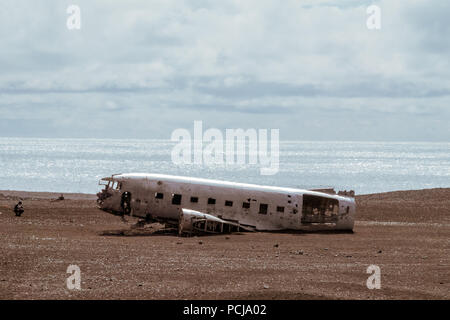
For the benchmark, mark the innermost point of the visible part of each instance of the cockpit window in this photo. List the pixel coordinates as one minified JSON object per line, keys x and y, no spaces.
{"x":115,"y":185}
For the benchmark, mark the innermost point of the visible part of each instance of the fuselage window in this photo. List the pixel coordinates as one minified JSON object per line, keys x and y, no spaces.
{"x":211,"y":201}
{"x":263,"y":208}
{"x":280,"y":209}
{"x":159,"y":195}
{"x":176,"y":198}
{"x":228,"y":203}
{"x":194,"y":199}
{"x":246,"y":205}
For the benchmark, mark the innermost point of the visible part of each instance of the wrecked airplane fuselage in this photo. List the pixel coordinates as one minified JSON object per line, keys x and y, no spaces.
{"x":210,"y":206}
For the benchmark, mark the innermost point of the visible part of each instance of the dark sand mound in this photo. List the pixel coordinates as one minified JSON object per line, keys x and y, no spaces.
{"x":431,"y":205}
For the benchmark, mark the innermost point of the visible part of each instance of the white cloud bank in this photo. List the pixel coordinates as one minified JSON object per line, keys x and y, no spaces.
{"x":143,"y":68}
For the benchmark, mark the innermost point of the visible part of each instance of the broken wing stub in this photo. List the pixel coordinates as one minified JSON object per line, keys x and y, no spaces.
{"x":195,"y":222}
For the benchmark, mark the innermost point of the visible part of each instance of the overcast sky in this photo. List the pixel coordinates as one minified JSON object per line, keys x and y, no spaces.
{"x":140,"y":69}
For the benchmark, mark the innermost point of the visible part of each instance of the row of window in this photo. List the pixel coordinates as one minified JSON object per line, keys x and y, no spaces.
{"x":176,"y":200}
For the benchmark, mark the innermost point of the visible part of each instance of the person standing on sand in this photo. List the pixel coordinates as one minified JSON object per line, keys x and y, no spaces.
{"x":18,"y":209}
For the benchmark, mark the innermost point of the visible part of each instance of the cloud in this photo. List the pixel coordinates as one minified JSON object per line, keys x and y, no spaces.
{"x":162,"y":64}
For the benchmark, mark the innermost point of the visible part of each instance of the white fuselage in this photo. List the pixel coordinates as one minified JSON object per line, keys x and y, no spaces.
{"x":259,"y":207}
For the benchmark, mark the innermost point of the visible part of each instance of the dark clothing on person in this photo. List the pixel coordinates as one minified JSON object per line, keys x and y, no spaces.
{"x":125,"y":203}
{"x":18,"y":209}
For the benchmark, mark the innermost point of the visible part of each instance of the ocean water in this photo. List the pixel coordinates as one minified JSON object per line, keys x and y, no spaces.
{"x":76,"y":165}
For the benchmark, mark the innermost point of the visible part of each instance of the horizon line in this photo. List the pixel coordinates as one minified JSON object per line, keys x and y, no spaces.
{"x":168,"y":139}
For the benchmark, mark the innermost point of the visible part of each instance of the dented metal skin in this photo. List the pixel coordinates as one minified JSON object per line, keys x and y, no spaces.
{"x":220,"y":204}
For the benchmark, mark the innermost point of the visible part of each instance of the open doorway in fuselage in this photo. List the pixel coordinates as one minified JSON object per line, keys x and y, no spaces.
{"x":317,"y":209}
